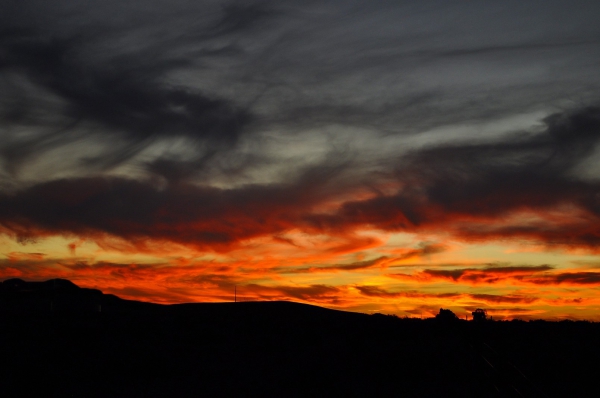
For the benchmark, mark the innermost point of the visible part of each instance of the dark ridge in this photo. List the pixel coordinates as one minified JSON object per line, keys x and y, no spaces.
{"x":55,"y":296}
{"x":19,"y":285}
{"x":64,"y":296}
{"x":57,"y":339}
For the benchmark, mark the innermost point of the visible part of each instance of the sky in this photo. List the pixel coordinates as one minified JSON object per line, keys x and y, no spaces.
{"x":391,"y":156}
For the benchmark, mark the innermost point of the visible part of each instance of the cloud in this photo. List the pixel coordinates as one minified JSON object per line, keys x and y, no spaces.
{"x":169,"y":283}
{"x":113,"y":88}
{"x":149,"y":294}
{"x":498,"y":299}
{"x":525,"y":275}
{"x":214,"y":72}
{"x":18,"y":256}
{"x":357,"y":265}
{"x":375,"y":291}
{"x":314,"y":293}
{"x":474,"y":192}
{"x":522,"y":189}
{"x":157,"y":282}
{"x":424,"y":249}
{"x":123,"y":100}
{"x":568,"y":278}
{"x":39,"y":267}
{"x":136,"y":210}
{"x":485,"y":275}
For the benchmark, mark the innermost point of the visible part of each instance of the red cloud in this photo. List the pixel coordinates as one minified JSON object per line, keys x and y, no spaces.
{"x":567,"y":278}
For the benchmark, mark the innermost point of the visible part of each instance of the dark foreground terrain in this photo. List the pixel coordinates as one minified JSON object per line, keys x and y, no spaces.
{"x":54,"y":342}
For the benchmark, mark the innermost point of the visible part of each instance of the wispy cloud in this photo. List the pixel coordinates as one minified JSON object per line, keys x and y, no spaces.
{"x":373,"y":291}
{"x":537,"y":275}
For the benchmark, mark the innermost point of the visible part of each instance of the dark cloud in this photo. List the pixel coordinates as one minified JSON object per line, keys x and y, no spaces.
{"x":537,"y":275}
{"x":140,"y":211}
{"x":136,"y":210}
{"x":375,"y":291}
{"x":400,"y":68}
{"x":499,"y":299}
{"x":461,"y":189}
{"x":543,"y":45}
{"x":487,"y":274}
{"x":207,"y":70}
{"x":125,"y":96}
{"x":466,"y":188}
{"x":425,"y":249}
{"x":568,"y":278}
{"x":78,"y":85}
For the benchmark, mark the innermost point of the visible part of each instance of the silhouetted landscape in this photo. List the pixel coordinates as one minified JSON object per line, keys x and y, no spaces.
{"x":61,"y":340}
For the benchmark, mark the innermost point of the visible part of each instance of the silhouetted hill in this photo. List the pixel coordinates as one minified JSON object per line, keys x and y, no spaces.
{"x":282,"y":349}
{"x":62,"y":295}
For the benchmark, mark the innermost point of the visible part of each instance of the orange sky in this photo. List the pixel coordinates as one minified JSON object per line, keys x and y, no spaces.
{"x":373,"y":272}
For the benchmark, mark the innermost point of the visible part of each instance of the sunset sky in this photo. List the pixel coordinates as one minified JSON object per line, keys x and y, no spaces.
{"x":388,"y":156}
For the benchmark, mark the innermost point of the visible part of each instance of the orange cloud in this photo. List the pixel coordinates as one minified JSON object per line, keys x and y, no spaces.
{"x":358,"y":265}
{"x":485,"y":275}
{"x":374,"y":291}
{"x":536,"y":275}
{"x":18,"y":256}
